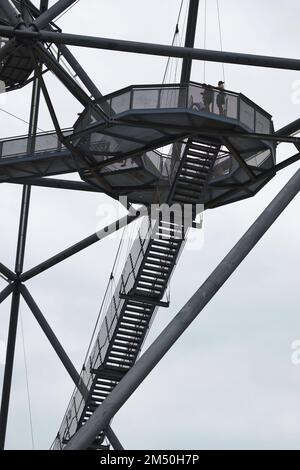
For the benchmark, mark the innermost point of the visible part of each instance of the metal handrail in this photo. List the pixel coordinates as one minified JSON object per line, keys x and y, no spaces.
{"x":130,"y":89}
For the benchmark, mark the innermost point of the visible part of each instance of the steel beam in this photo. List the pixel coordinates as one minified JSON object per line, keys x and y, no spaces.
{"x":100,"y":235}
{"x":57,"y":184}
{"x":113,"y":439}
{"x":7,"y":272}
{"x":154,"y":49}
{"x":49,"y":15}
{"x":170,"y":51}
{"x":6,"y":292}
{"x":135,"y":376}
{"x":80,"y":72}
{"x":9,"y":363}
{"x":14,"y":315}
{"x":23,"y":229}
{"x":290,"y":129}
{"x":64,"y":77}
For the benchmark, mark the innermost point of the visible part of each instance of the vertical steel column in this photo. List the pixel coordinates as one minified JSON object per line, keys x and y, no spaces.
{"x":190,"y":40}
{"x":23,"y":229}
{"x":21,"y":245}
{"x":35,"y":101}
{"x":9,"y":363}
{"x":158,"y":349}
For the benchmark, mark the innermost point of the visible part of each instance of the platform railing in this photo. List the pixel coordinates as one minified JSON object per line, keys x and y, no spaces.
{"x":125,"y":284}
{"x":199,"y":97}
{"x":45,"y":142}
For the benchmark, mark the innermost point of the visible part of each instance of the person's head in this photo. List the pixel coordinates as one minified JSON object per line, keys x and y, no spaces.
{"x":221,"y":85}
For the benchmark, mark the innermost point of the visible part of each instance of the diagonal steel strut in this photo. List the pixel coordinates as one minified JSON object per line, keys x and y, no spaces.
{"x":7,"y":272}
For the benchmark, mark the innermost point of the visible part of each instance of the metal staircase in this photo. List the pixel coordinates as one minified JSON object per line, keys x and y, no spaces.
{"x":195,"y":167}
{"x":140,"y":292}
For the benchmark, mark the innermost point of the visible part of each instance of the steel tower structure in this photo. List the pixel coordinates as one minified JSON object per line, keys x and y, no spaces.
{"x":223,"y":149}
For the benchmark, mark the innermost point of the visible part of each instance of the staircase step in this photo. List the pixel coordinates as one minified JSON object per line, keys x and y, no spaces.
{"x":163,"y":248}
{"x":200,"y":169}
{"x":138,"y":323}
{"x":202,"y":155}
{"x":164,"y":266}
{"x":153,"y":276}
{"x":164,"y":242}
{"x":126,"y":335}
{"x":199,"y":146}
{"x":128,"y":356}
{"x":124,"y":342}
{"x":136,"y":317}
{"x":193,"y":174}
{"x":160,"y":257}
{"x":152,"y":293}
{"x":134,"y":309}
{"x":102,"y":387}
{"x":156,"y":280}
{"x":198,"y":158}
{"x":137,"y":304}
{"x":186,"y":178}
{"x":124,"y":349}
{"x":120,"y":360}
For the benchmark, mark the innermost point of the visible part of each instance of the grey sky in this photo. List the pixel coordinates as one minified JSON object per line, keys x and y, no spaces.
{"x":229,"y":381}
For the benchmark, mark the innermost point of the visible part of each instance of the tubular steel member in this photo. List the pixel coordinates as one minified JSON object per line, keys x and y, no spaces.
{"x":154,"y":49}
{"x":19,"y":264}
{"x":190,"y":39}
{"x":49,"y":15}
{"x":9,"y":363}
{"x":120,"y":45}
{"x":135,"y":376}
{"x":6,"y":292}
{"x":7,"y":273}
{"x":58,"y":184}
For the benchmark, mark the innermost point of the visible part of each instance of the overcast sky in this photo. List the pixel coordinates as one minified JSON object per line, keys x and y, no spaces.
{"x":229,"y":381}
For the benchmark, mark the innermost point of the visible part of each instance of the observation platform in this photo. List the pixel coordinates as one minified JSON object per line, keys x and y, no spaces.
{"x":138,"y":149}
{"x":146,"y":137}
